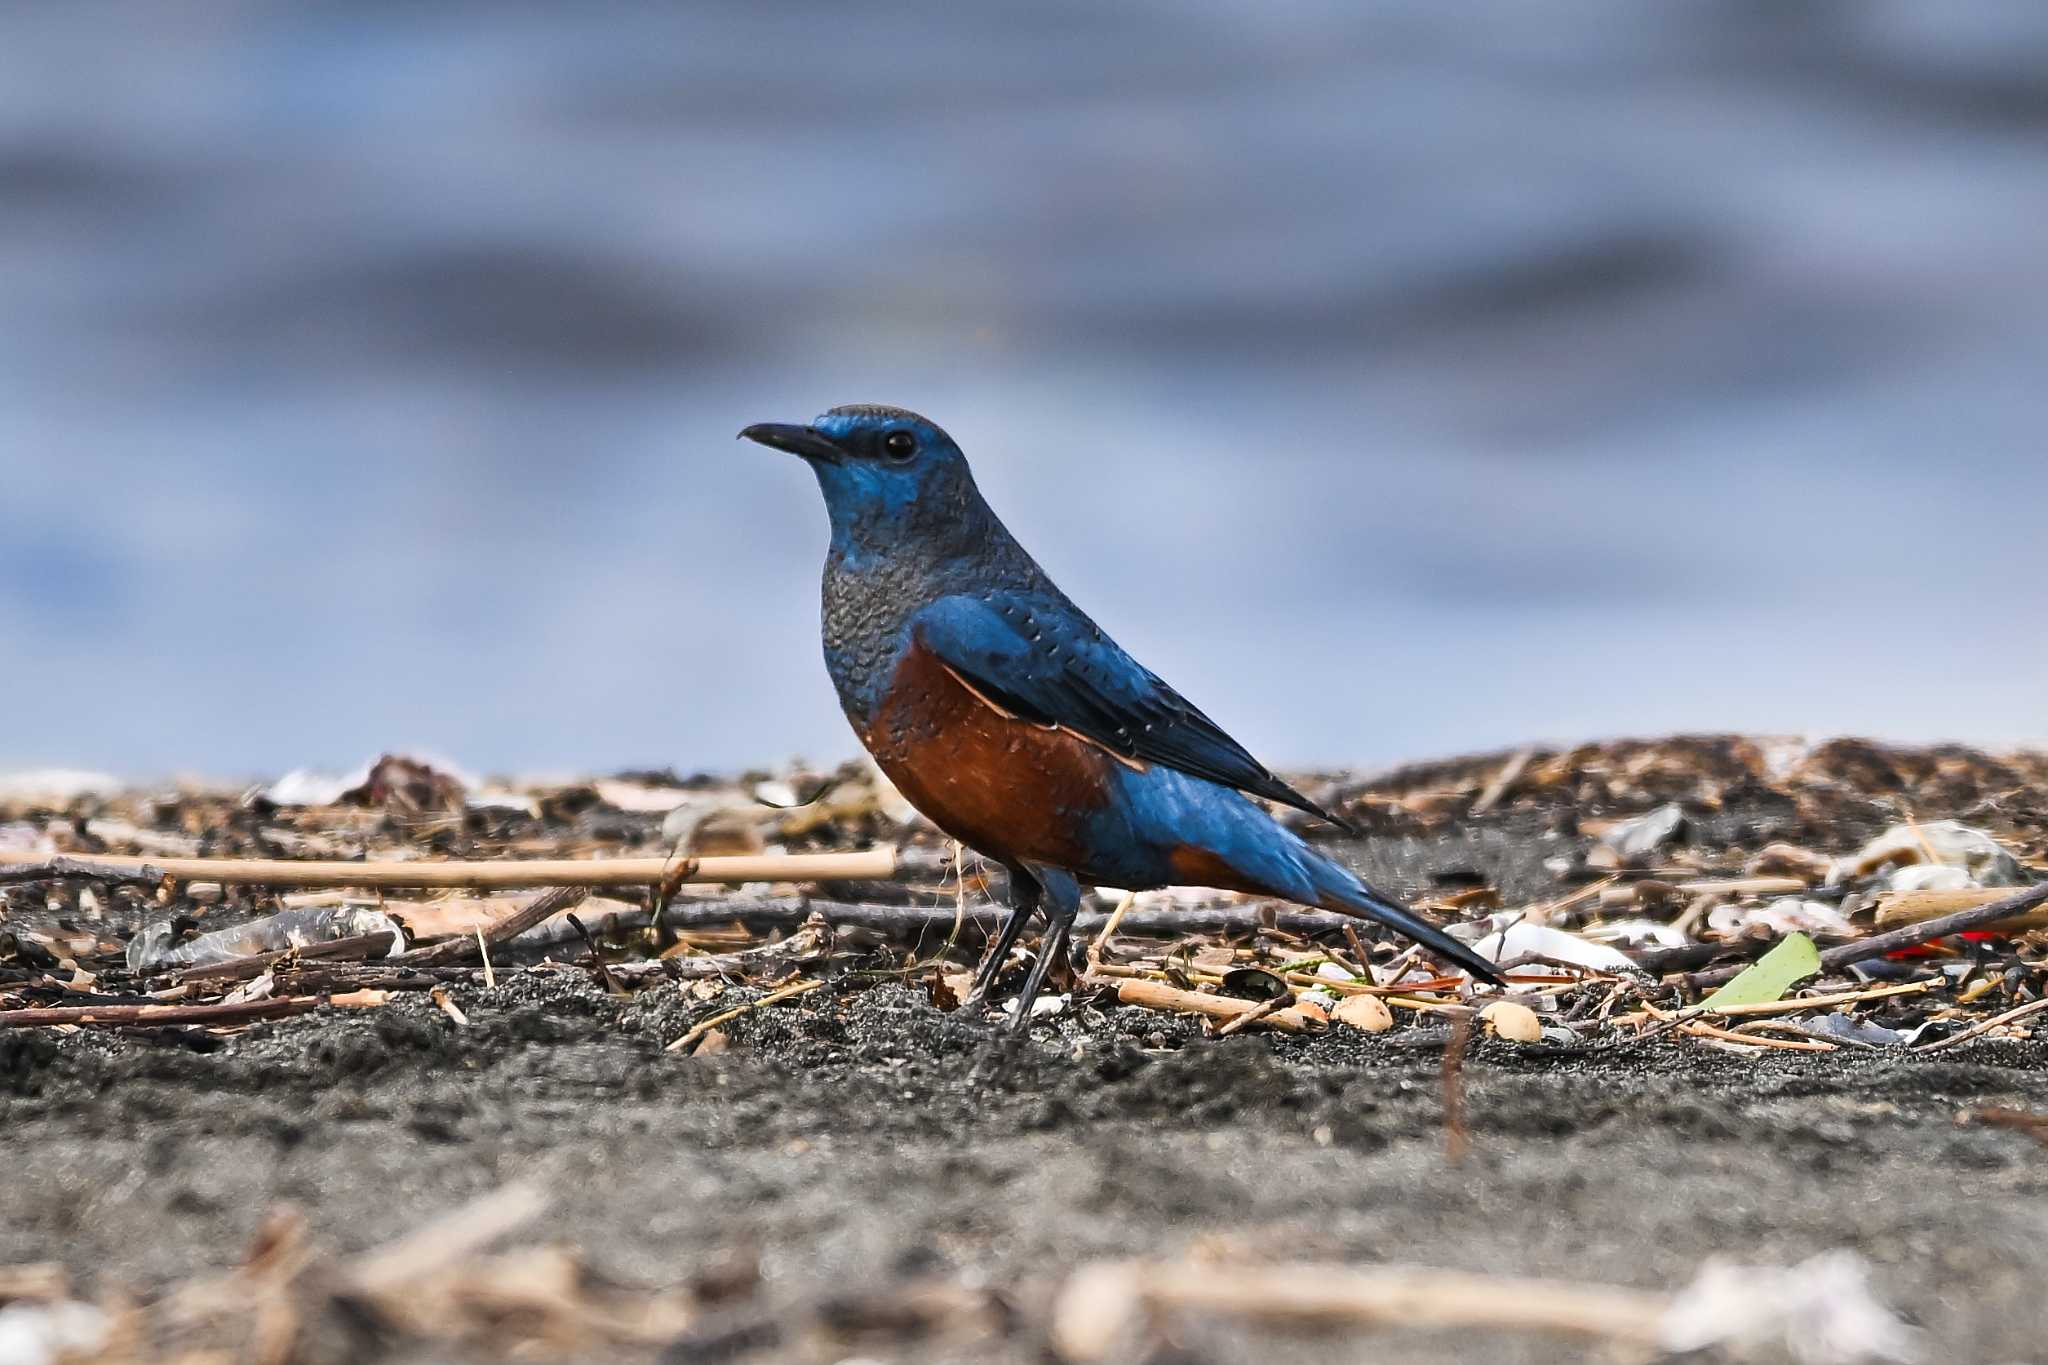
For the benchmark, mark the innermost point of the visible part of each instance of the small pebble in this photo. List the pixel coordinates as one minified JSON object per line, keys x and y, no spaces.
{"x":1367,"y":1012}
{"x":1515,"y":1022}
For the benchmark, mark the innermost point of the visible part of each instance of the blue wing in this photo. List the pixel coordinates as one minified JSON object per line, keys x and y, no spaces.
{"x":1042,"y":660}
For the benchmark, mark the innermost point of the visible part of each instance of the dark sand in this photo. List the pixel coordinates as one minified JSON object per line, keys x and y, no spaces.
{"x":848,"y":1147}
{"x":842,"y":1138}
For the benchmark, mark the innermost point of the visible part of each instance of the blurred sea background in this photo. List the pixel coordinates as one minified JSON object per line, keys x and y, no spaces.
{"x":1397,"y":379}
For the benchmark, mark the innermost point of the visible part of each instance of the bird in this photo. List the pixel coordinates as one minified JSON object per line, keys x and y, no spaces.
{"x":1016,"y":725}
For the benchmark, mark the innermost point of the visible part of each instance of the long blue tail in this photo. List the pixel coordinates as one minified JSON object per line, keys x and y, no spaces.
{"x":1361,"y":900}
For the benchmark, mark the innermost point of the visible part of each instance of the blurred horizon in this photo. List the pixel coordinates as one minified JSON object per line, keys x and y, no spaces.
{"x":1396,"y":383}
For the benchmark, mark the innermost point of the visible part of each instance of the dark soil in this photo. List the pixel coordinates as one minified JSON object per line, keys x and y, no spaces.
{"x":842,"y":1138}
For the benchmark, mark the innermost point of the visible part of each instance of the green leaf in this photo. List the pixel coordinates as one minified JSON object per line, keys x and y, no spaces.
{"x":1770,"y":976}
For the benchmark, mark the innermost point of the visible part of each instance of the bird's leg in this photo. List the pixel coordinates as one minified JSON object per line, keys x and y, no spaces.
{"x":1021,"y":894}
{"x":1062,"y":902}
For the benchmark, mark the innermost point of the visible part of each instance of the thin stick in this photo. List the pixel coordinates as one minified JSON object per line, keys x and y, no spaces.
{"x":89,"y":869}
{"x":255,"y":964}
{"x":1160,"y":996}
{"x":1699,"y":1030}
{"x":1457,"y":1139}
{"x":879,"y":864}
{"x":769,"y":999}
{"x":544,"y":906}
{"x":1261,"y":1010}
{"x":1100,"y":942}
{"x":1510,"y":772}
{"x":161,"y":1014}
{"x":1986,"y":1026}
{"x":401,"y":1265}
{"x":1104,"y":1307}
{"x":1912,"y":936}
{"x":483,"y":950}
{"x":1810,"y":1002}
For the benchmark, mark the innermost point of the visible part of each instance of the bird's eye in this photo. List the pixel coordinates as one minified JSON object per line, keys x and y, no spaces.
{"x":900,"y":445}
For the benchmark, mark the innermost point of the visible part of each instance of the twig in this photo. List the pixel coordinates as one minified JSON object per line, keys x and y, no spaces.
{"x":1260,"y":1010}
{"x":910,"y":921}
{"x":238,"y":1013}
{"x":2033,"y":1125}
{"x":880,"y":864}
{"x":1104,"y":1308}
{"x":544,"y":906}
{"x":396,"y":1268}
{"x":1509,"y":773}
{"x":1800,"y":1030}
{"x":604,"y":973}
{"x":356,"y":947}
{"x":812,"y":940}
{"x":1697,"y":1029}
{"x":1457,"y":1139}
{"x":2031,"y":1007}
{"x":66,"y":865}
{"x":483,"y":950}
{"x":1160,"y":996}
{"x":1912,"y":936}
{"x":1797,"y":1003}
{"x":1100,"y":942}
{"x":699,"y":1030}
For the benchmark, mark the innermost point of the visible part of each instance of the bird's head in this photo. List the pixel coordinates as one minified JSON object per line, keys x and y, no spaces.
{"x":888,"y":475}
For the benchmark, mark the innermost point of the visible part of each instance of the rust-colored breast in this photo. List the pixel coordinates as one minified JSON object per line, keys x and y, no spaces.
{"x":1004,"y":786}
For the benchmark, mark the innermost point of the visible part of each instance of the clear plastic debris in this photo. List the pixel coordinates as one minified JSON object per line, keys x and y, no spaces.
{"x":155,"y":946}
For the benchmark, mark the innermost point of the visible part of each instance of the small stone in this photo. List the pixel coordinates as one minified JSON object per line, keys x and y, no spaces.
{"x":1515,"y":1022}
{"x":1366,"y":1012}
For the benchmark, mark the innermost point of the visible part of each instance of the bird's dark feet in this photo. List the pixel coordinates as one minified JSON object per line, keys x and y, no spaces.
{"x":1061,"y":901}
{"x":1022,"y":895}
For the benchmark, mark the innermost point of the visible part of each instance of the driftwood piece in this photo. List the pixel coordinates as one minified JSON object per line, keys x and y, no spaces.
{"x":1913,"y":907}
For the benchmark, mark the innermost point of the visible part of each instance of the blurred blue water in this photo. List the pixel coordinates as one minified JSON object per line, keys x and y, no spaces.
{"x":1394,"y":378}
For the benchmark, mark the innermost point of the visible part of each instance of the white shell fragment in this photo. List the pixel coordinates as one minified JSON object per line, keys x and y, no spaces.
{"x":1821,"y":1311}
{"x":1523,"y":939}
{"x":1942,"y":843}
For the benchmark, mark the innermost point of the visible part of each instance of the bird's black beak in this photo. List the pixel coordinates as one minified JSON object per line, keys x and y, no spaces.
{"x":808,"y":442}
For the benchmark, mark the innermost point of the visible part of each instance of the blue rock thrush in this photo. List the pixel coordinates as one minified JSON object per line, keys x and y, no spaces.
{"x":1007,"y":716}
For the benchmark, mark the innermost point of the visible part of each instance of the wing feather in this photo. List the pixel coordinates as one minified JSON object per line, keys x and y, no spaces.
{"x":1041,"y":660}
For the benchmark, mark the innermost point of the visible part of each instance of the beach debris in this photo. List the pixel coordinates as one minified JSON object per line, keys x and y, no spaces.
{"x":1937,"y":844}
{"x":1777,"y":918}
{"x":112,"y":879}
{"x":1630,"y":842}
{"x":1913,"y":907}
{"x":407,"y":783}
{"x":1518,"y":939}
{"x":1821,"y":1311}
{"x":156,"y":946}
{"x":1254,"y":983}
{"x":51,"y":1333}
{"x":1792,"y":961}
